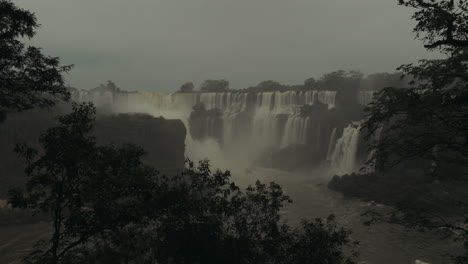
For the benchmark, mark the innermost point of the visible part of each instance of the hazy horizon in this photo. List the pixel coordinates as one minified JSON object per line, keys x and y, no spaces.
{"x":158,"y":45}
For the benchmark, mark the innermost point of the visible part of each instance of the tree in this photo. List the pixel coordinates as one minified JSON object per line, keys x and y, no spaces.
{"x":214,"y":86}
{"x":427,"y":122}
{"x":269,"y":86}
{"x":103,"y":199}
{"x":378,"y":81}
{"x":309,"y":84}
{"x":429,"y":119}
{"x":28,"y":79}
{"x":88,"y":189}
{"x":187,"y":87}
{"x":208,"y":219}
{"x":110,"y":86}
{"x":340,"y":80}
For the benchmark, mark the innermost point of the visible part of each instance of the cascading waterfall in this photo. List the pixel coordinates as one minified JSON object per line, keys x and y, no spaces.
{"x":276,"y":120}
{"x":366,"y":97}
{"x":343,"y":158}
{"x":331,"y":144}
{"x":295,"y":131}
{"x":264,"y":126}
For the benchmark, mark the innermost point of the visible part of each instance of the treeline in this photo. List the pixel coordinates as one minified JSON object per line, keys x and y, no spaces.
{"x":107,"y":206}
{"x":333,"y":81}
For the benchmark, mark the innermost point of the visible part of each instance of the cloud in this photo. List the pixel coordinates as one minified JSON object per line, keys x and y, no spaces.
{"x":156,"y":45}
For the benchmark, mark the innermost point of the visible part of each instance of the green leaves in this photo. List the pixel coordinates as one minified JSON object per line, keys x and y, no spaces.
{"x":28,"y":79}
{"x":87,"y":189}
{"x":440,"y":23}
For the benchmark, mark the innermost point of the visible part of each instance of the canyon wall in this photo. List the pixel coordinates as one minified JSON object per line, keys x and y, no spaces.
{"x":268,"y":128}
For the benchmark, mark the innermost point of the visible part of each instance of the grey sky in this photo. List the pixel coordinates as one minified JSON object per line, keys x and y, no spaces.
{"x":156,"y":45}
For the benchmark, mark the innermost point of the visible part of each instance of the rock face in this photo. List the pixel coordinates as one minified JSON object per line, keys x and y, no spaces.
{"x":205,"y":124}
{"x":257,"y":125}
{"x":162,"y":139}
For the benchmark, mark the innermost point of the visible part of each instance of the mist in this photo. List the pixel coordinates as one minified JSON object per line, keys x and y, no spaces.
{"x":218,"y":131}
{"x":158,"y":45}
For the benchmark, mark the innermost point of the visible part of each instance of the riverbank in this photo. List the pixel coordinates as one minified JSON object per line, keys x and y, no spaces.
{"x":382,"y":243}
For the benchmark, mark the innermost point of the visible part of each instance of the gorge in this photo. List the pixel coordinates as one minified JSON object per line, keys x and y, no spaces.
{"x":321,"y":127}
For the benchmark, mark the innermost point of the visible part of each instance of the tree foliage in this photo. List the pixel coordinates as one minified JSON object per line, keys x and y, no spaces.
{"x":187,"y":87}
{"x":214,"y":86}
{"x":339,"y":80}
{"x":109,"y":207}
{"x":429,"y":119}
{"x":268,"y":86}
{"x":207,"y":218}
{"x":441,"y":24}
{"x":88,"y":189}
{"x":28,"y":79}
{"x":110,"y":86}
{"x":426,"y":123}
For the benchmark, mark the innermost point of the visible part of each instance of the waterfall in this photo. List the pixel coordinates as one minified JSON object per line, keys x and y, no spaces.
{"x":254,"y":120}
{"x":331,"y":144}
{"x":375,"y":138}
{"x":295,"y":131}
{"x":343,"y":158}
{"x":365,"y":97}
{"x":265,"y":124}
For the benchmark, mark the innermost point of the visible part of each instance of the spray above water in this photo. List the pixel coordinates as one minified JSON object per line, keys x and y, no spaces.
{"x":251,"y":123}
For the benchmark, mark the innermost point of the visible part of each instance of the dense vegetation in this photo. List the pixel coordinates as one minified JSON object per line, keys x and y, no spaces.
{"x":28,"y":79}
{"x":103,"y":199}
{"x":426,"y":124}
{"x":334,"y":81}
{"x":107,"y":206}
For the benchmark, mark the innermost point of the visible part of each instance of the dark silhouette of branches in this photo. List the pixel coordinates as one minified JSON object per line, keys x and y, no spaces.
{"x":28,"y":79}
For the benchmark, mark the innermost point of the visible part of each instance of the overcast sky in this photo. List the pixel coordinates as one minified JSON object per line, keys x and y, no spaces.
{"x":156,"y":45}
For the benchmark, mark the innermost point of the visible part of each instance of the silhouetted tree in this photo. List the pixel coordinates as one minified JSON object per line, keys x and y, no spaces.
{"x":269,"y":86}
{"x":309,"y":84}
{"x":210,"y":86}
{"x":378,"y":81}
{"x":346,"y":84}
{"x":187,"y":87}
{"x":28,"y":79}
{"x":208,"y":219}
{"x":88,"y":189}
{"x":429,"y":119}
{"x":110,"y":86}
{"x":103,"y":199}
{"x":339,"y":80}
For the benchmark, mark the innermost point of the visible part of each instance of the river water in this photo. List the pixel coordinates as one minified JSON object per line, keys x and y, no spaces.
{"x":381,"y":243}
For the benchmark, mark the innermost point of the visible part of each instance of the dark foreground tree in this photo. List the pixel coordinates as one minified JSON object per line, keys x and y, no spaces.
{"x":427,"y":122}
{"x":87,"y":189}
{"x":28,"y":79}
{"x":429,"y":118}
{"x":208,"y":219}
{"x":108,"y":207}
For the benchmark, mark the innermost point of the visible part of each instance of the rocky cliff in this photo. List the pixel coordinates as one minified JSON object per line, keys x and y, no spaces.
{"x":162,"y":139}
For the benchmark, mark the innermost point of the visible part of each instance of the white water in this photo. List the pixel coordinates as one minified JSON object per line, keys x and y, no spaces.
{"x":267,"y":106}
{"x":343,"y":158}
{"x":366,"y":97}
{"x":331,"y":145}
{"x":265,"y":131}
{"x":295,"y":131}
